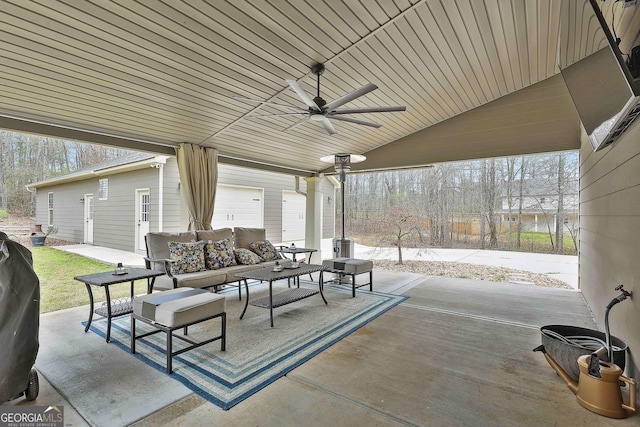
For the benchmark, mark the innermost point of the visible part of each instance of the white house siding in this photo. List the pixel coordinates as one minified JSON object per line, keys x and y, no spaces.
{"x":548,"y":203}
{"x":172,"y":215}
{"x":328,"y":209}
{"x":610,"y":234}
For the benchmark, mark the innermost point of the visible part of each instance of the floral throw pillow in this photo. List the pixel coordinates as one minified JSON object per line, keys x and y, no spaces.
{"x":246,"y":257}
{"x":219,"y":254}
{"x":188,"y":257}
{"x":265,"y":250}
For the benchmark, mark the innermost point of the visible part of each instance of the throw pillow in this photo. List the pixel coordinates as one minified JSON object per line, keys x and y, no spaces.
{"x":246,"y":257}
{"x":265,"y":250}
{"x":188,"y":257}
{"x":219,"y":254}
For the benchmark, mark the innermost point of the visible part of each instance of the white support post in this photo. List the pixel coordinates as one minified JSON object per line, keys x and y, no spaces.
{"x":313,"y":229}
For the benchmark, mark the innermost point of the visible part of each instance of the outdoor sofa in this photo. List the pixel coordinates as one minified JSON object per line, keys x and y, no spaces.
{"x":207,"y":258}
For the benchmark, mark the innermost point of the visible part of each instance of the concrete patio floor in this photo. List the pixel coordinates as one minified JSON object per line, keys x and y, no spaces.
{"x":457,"y":352}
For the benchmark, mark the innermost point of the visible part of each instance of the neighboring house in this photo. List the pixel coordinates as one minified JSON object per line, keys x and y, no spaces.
{"x":540,"y":205}
{"x":115,"y":203}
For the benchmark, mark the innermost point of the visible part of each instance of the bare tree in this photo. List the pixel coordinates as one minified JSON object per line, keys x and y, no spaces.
{"x":520,"y":200}
{"x":4,"y":166}
{"x":398,"y":223}
{"x":490,"y":191}
{"x":560,"y":206}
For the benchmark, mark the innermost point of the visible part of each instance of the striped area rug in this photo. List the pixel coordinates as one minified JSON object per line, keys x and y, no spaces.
{"x":256,"y":354}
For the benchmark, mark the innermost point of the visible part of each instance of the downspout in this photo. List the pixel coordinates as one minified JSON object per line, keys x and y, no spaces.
{"x":297,"y":178}
{"x":33,"y":191}
{"x":160,"y":196}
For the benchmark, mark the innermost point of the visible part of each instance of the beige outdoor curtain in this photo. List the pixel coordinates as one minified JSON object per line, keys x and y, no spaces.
{"x":198,"y":167}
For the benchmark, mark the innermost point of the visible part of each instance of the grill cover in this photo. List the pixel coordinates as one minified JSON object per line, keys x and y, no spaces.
{"x":19,"y":317}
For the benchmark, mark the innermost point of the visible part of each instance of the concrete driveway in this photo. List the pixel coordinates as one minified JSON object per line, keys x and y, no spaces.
{"x":561,"y":267}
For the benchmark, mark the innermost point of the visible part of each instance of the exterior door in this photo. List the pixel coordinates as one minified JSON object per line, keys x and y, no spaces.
{"x":238,"y":207}
{"x":143,"y":212}
{"x":88,"y":218}
{"x":294,"y":206}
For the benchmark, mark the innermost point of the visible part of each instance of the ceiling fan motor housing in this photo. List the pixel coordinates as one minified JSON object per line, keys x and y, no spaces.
{"x":319,"y":102}
{"x":317,"y":69}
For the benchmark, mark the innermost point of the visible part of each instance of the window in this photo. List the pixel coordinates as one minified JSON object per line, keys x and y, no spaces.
{"x":50,"y":208}
{"x":542,"y":200}
{"x":145,"y":208}
{"x":103,"y":189}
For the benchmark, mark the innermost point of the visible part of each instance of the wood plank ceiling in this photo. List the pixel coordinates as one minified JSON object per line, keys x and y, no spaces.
{"x":165,"y":72}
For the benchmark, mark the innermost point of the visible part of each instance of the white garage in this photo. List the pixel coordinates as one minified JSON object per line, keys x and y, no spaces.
{"x":238,"y":206}
{"x":293,"y":216}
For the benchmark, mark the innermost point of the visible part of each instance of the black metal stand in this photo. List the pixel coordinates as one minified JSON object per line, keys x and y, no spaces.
{"x":169,"y":331}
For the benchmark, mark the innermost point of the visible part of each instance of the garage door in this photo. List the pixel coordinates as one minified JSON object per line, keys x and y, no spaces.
{"x":238,"y":207}
{"x":294,"y":206}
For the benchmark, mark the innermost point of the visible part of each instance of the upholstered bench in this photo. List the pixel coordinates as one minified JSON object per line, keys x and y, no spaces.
{"x":178,"y":308}
{"x":350,"y":267}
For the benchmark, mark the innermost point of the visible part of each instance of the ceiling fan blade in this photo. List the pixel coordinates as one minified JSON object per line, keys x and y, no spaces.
{"x":277,"y":114}
{"x":240,"y":98}
{"x":298,"y":123}
{"x":368,"y":110}
{"x":326,"y":124}
{"x":357,"y":121}
{"x":304,"y":95}
{"x":350,"y":96}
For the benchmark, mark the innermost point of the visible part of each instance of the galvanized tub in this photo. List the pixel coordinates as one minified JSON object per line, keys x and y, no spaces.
{"x":567,"y":343}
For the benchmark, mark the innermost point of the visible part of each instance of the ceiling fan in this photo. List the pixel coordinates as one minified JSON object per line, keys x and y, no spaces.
{"x":319,"y":110}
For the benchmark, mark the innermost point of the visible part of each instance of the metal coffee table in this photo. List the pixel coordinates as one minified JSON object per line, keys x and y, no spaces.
{"x":286,"y":297}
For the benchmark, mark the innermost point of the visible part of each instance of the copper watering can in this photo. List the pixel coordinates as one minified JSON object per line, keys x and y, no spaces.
{"x":600,"y":395}
{"x":599,"y":381}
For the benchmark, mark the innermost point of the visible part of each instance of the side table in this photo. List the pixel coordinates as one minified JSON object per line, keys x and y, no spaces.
{"x":295,"y":251}
{"x":108,"y":278}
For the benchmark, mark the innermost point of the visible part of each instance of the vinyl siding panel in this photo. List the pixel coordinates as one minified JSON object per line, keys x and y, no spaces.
{"x":610,"y":232}
{"x":115,"y":222}
{"x":68,"y":212}
{"x":172,"y":216}
{"x":328,"y":209}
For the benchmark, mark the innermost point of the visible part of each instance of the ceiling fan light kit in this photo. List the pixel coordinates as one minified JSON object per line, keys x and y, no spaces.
{"x":320,"y":111}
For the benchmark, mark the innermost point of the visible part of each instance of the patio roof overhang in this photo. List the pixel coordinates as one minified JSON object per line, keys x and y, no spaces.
{"x":478,"y":79}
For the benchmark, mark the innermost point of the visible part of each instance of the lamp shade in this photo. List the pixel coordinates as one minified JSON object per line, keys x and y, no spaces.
{"x":343,"y":159}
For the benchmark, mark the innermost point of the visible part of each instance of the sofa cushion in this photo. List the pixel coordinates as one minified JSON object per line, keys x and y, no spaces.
{"x":219,"y":254}
{"x":188,"y":257}
{"x":246,"y":236}
{"x":158,"y":245}
{"x":219,"y":234}
{"x":265,"y":250}
{"x":199,"y":279}
{"x":246,"y":257}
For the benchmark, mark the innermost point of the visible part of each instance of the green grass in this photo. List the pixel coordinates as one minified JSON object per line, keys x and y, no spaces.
{"x":58,"y":290}
{"x":539,"y":237}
